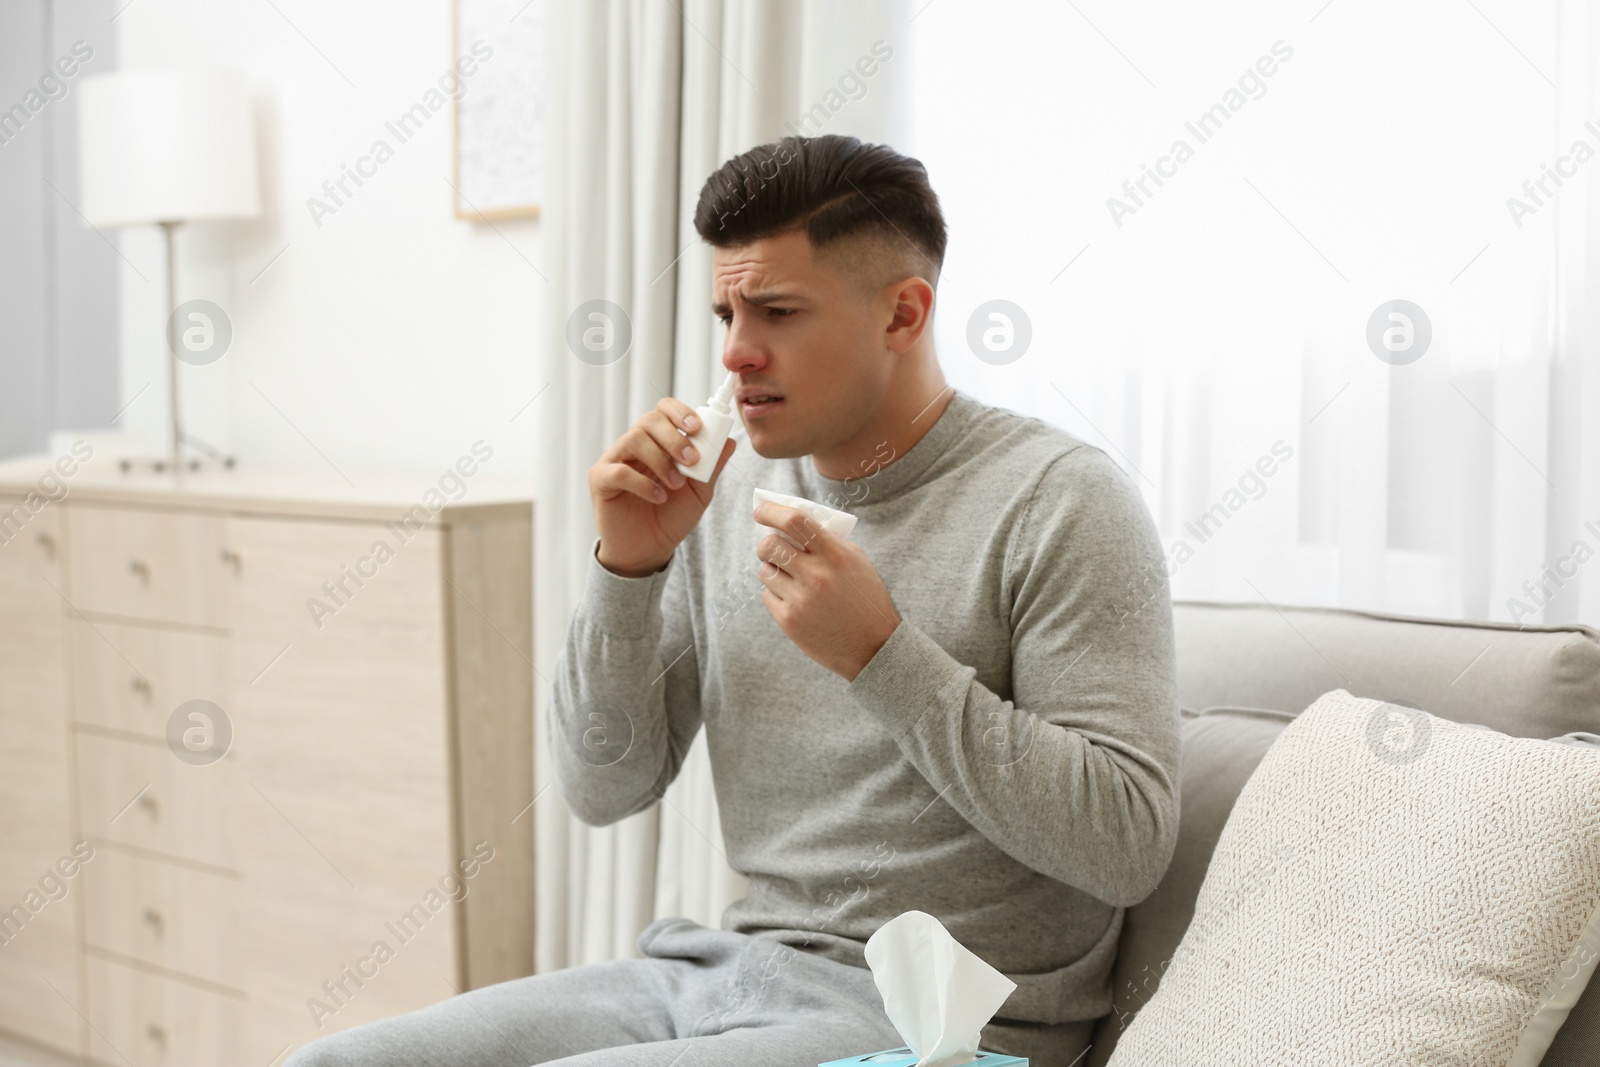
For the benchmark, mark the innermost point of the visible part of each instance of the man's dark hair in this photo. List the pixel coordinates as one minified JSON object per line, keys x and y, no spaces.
{"x":866,"y":202}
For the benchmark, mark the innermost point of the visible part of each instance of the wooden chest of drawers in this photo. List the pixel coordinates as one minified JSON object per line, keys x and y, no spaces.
{"x":283,"y":723}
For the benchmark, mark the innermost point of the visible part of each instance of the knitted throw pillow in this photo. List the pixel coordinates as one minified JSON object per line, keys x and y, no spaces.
{"x":1391,"y":889}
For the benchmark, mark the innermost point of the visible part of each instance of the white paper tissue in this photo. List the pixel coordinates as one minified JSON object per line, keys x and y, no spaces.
{"x":836,"y":522}
{"x":936,"y":992}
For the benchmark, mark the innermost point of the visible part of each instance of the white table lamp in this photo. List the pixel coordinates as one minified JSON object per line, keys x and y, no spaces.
{"x":164,"y":147}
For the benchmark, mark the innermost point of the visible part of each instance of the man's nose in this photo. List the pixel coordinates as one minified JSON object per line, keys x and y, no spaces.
{"x":740,"y":352}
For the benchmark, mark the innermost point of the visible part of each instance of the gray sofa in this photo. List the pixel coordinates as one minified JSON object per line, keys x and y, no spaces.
{"x":1245,"y":670}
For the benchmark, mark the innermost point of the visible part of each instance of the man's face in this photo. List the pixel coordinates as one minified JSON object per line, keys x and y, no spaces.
{"x":796,"y":329}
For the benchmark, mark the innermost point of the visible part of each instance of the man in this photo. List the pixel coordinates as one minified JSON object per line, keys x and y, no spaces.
{"x":954,"y":710}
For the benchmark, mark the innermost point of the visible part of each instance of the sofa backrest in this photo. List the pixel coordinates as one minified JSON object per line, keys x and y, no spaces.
{"x":1244,"y":671}
{"x":1529,"y":681}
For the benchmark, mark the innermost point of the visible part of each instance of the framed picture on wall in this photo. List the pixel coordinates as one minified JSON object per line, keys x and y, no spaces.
{"x":498,"y":140}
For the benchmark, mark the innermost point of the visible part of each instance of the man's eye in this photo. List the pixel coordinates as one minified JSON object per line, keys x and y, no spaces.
{"x":781,"y":313}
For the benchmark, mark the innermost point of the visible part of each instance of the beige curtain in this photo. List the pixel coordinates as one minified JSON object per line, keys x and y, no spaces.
{"x":648,"y":98}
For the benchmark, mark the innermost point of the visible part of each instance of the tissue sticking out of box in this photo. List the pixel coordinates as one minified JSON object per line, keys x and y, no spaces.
{"x":937,"y":993}
{"x":836,"y":522}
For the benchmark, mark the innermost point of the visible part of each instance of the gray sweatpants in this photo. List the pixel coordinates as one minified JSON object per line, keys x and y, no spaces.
{"x":699,"y":998}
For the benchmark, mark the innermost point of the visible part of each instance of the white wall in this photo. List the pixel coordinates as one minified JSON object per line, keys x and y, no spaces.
{"x":58,"y":279}
{"x":391,"y":337}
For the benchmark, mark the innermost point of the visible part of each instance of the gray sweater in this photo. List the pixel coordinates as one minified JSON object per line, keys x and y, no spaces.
{"x":1007,"y":761}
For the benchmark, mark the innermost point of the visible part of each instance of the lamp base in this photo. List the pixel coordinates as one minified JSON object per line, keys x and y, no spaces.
{"x":210,"y":456}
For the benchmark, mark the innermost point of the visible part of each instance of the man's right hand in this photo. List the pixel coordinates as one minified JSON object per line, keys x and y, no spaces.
{"x":643,"y":505}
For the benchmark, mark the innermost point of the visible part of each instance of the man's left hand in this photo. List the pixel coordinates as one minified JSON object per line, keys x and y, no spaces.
{"x":826,"y":595}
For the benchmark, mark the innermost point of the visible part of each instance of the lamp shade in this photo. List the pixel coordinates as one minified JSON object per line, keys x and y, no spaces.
{"x":166,"y":145}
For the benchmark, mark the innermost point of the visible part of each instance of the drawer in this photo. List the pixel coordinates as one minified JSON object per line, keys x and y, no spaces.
{"x":132,"y":677}
{"x":166,"y":566}
{"x":39,"y":946}
{"x":146,"y":1020}
{"x":30,"y":634}
{"x":162,"y":913}
{"x":35,"y":828}
{"x":142,"y":795}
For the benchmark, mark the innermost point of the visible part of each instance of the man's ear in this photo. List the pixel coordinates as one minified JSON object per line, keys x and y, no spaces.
{"x":911,"y":304}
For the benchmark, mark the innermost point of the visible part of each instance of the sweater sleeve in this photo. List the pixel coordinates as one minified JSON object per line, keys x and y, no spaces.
{"x":625,"y":699}
{"x":1076,"y":777}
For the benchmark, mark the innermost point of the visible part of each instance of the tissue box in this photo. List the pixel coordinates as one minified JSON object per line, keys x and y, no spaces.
{"x":904,"y":1057}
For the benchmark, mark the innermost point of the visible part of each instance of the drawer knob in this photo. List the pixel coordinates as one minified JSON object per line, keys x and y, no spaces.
{"x":148,"y":803}
{"x":152,"y":919}
{"x":229,"y":558}
{"x":140,"y":684}
{"x":139,"y":569}
{"x":46,"y":542}
{"x":156,"y":1033}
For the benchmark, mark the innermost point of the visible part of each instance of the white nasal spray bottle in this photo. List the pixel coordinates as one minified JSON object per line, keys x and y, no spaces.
{"x":716,"y":421}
